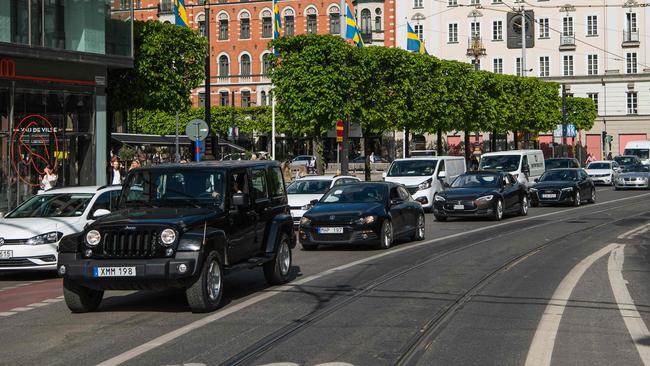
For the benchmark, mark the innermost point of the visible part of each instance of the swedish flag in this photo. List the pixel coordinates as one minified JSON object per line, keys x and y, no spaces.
{"x":352,"y":31}
{"x":277,"y":20}
{"x":413,"y":42}
{"x":180,"y":13}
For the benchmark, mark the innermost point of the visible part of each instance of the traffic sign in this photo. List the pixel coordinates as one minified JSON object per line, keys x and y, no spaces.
{"x":197,"y":129}
{"x":570,"y":131}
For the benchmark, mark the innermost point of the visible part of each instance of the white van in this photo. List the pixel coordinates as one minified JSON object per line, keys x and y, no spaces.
{"x":424,"y":176}
{"x":640,"y":149}
{"x":524,"y":165}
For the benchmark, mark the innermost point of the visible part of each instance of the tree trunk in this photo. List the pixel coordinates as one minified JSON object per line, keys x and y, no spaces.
{"x":516,"y":140}
{"x":467,"y":152}
{"x":439,"y":142}
{"x":493,"y":142}
{"x":366,"y":153}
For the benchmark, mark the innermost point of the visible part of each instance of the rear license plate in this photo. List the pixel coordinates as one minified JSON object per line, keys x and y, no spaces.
{"x":330,"y":230}
{"x":459,"y":207}
{"x":6,"y":254}
{"x":114,"y":272}
{"x":549,"y":196}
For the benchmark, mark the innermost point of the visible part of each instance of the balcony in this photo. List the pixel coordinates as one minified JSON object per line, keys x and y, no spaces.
{"x":568,"y":42}
{"x":630,"y":39}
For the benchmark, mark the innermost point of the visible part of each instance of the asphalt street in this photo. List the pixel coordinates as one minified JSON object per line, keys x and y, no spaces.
{"x":561,"y":286}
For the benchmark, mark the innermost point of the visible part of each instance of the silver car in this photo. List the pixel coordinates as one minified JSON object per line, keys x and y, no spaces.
{"x":635,"y":176}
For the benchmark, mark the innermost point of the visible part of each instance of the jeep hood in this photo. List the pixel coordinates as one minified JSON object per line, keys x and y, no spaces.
{"x":182,"y":216}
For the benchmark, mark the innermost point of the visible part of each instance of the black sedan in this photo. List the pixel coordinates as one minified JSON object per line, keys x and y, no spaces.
{"x":363,"y":213}
{"x":563,"y":186}
{"x":481,"y":194}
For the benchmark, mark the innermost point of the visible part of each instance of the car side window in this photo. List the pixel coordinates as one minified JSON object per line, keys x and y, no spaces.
{"x":394,"y":194}
{"x":260,"y":189}
{"x":404,"y":194}
{"x":511,"y":179}
{"x":238,"y":182}
{"x":524,"y":164}
{"x":276,"y":182}
{"x":102,"y":202}
{"x":584,"y":175}
{"x":441,"y":166}
{"x":338,"y":182}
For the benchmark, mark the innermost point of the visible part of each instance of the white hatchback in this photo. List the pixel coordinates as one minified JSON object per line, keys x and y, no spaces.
{"x":603,"y":171}
{"x":304,"y":190}
{"x":30,"y":234}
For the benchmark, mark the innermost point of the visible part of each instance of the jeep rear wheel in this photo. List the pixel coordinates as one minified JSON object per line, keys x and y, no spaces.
{"x":81,"y":299}
{"x":204,"y":294}
{"x":276,"y":272}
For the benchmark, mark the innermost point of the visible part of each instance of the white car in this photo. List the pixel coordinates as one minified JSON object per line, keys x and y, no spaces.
{"x":302,"y":160}
{"x":30,"y":234}
{"x":304,"y":190}
{"x":603,"y":171}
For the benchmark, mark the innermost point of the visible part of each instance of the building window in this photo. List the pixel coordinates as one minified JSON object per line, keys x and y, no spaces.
{"x":630,"y":63}
{"x":475,"y":29}
{"x":497,"y":30}
{"x":518,"y":66}
{"x":567,"y":26}
{"x":335,"y":20}
{"x":378,"y":23}
{"x":497,"y":65}
{"x":417,"y":4}
{"x":245,"y":98}
{"x":266,"y":64}
{"x":475,"y":2}
{"x":223,"y":27}
{"x":592,"y":64}
{"x":453,"y":33}
{"x":592,"y":25}
{"x":224,"y":66}
{"x":201,"y":21}
{"x":452,"y":3}
{"x":312,"y":24}
{"x":245,"y":66}
{"x":224,"y":98}
{"x":267,"y":24}
{"x":594,"y":98}
{"x":365,"y":22}
{"x":568,"y":65}
{"x":544,"y":28}
{"x":544,"y":66}
{"x":630,"y":22}
{"x":632,"y":102}
{"x":262,"y":97}
{"x":289,"y":23}
{"x":245,"y":26}
{"x":476,"y":64}
{"x":201,"y":99}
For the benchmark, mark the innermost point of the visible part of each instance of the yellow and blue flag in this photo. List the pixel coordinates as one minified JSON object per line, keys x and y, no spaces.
{"x":352,"y":30}
{"x":277,"y":19}
{"x":181,"y":13}
{"x":413,"y":42}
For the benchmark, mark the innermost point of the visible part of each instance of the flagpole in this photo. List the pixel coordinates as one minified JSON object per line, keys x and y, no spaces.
{"x":343,"y":18}
{"x":272,"y":92}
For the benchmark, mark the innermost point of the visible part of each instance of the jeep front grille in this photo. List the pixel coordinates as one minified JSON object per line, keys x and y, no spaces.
{"x":130,"y":244}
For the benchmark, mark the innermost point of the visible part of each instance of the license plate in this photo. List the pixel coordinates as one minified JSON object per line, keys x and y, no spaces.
{"x":114,"y":272}
{"x":6,"y":254}
{"x":549,"y":196}
{"x":459,"y":207}
{"x":330,"y":230}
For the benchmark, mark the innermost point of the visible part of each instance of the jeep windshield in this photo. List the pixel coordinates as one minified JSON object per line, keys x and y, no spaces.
{"x":174,"y":188}
{"x":412,"y":168}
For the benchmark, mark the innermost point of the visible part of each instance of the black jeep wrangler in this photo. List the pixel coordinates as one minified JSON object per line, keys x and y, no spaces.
{"x":184,"y":226}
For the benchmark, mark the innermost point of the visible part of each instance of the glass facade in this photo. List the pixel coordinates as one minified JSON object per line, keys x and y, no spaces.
{"x":101,"y":27}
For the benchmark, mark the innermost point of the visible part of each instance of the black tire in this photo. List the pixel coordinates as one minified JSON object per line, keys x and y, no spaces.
{"x":309,"y":247}
{"x":419,"y":231}
{"x":276,"y":272}
{"x":498,"y":210}
{"x":577,"y":199}
{"x":81,"y":299}
{"x":386,"y":234}
{"x":592,"y":198}
{"x":202,"y":295}
{"x":523,"y":210}
{"x":440,"y":218}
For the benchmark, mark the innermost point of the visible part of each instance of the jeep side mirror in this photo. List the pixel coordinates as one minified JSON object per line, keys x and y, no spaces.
{"x":446,"y":185}
{"x":240,"y":200}
{"x":313,"y":202}
{"x":100,"y":213}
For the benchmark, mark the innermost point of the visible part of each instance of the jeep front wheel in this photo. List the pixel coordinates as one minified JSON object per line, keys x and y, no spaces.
{"x":81,"y":299}
{"x":276,"y":271}
{"x":204,"y":294}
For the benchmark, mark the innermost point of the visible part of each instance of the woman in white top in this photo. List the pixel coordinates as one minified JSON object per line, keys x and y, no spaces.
{"x":48,"y":181}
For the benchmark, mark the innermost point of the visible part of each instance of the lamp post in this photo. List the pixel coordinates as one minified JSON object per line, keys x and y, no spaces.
{"x":476,"y":50}
{"x":208,"y":93}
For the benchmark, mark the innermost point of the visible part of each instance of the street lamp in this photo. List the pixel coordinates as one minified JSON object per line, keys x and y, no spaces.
{"x":208,"y":94}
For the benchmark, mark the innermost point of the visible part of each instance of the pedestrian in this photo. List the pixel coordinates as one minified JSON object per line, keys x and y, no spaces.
{"x":590,"y":158}
{"x":473,"y":164}
{"x":253,"y":157}
{"x":372,"y":157}
{"x":134,"y":165}
{"x":286,"y":171}
{"x":49,"y":179}
{"x":609,"y":156}
{"x":117,"y":173}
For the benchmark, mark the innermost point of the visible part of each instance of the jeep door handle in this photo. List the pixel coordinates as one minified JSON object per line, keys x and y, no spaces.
{"x":267,"y":209}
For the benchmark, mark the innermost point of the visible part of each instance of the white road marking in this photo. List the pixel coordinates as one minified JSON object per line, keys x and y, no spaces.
{"x":22,"y":308}
{"x":166,"y":338}
{"x":39,"y":304}
{"x":634,"y":232}
{"x":7,"y":313}
{"x":53,"y":300}
{"x":541,"y":348}
{"x":633,"y":321}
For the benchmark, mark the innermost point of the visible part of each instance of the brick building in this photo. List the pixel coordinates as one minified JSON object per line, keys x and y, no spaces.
{"x":239,"y":35}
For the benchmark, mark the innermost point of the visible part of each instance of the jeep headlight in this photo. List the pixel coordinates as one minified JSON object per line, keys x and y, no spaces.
{"x":167,"y":237}
{"x":93,"y":237}
{"x":485,"y":198}
{"x":47,"y":238}
{"x":305,"y":220}
{"x":424,"y":185}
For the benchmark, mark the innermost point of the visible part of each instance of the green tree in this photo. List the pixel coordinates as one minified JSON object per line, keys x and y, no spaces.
{"x":168,"y":63}
{"x":581,"y":112}
{"x":312,"y":77}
